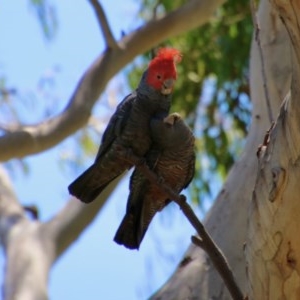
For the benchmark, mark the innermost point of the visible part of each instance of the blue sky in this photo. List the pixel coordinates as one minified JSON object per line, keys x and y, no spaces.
{"x":94,"y":265}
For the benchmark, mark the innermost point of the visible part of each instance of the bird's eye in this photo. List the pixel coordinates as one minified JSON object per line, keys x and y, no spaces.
{"x":158,"y":76}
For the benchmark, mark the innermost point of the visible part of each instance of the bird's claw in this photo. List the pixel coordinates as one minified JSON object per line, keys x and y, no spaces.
{"x":182,"y":198}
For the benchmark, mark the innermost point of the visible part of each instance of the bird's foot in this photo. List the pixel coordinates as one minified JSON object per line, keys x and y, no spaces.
{"x":182,"y":198}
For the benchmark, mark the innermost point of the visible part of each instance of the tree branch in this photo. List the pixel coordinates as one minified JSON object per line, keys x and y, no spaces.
{"x":73,"y":219}
{"x":104,"y":26}
{"x":36,"y":138}
{"x":31,"y":246}
{"x":205,"y":241}
{"x":27,"y":255}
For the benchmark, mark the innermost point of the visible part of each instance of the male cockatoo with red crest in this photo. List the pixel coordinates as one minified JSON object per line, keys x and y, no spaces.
{"x":129,"y":126}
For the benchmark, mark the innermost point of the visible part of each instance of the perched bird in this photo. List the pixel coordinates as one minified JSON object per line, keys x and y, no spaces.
{"x":129,"y":126}
{"x":172,"y":158}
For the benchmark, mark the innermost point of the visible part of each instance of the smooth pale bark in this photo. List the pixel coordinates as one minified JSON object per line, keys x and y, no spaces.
{"x":31,"y":247}
{"x":273,"y":244}
{"x":227,"y":221}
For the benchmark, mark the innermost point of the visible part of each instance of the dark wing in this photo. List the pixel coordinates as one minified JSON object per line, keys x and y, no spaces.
{"x":116,"y":123}
{"x":191,"y":170}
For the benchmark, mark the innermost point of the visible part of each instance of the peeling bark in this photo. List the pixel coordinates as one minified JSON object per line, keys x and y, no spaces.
{"x":273,"y":247}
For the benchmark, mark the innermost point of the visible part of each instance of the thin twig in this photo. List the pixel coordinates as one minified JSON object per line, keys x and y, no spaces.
{"x":103,"y":23}
{"x":263,"y":67}
{"x":205,"y":242}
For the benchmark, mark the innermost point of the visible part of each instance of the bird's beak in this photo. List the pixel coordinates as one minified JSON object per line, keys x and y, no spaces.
{"x":169,"y":120}
{"x":172,"y":118}
{"x":167,"y":86}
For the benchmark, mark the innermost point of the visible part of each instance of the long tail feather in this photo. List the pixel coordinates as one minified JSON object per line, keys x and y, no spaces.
{"x":126,"y":233}
{"x":86,"y":187}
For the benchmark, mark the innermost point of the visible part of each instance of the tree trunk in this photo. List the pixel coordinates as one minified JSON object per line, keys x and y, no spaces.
{"x":227,"y":221}
{"x":273,"y":244}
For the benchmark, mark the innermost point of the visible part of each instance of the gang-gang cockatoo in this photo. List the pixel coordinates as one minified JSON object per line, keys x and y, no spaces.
{"x":172,"y":158}
{"x":129,"y":126}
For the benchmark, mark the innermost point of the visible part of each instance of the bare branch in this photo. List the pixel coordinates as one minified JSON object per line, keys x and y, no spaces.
{"x":71,"y":221}
{"x":205,"y":242}
{"x":27,"y":259}
{"x":103,"y":23}
{"x":32,"y":246}
{"x":36,"y":138}
{"x":212,"y":250}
